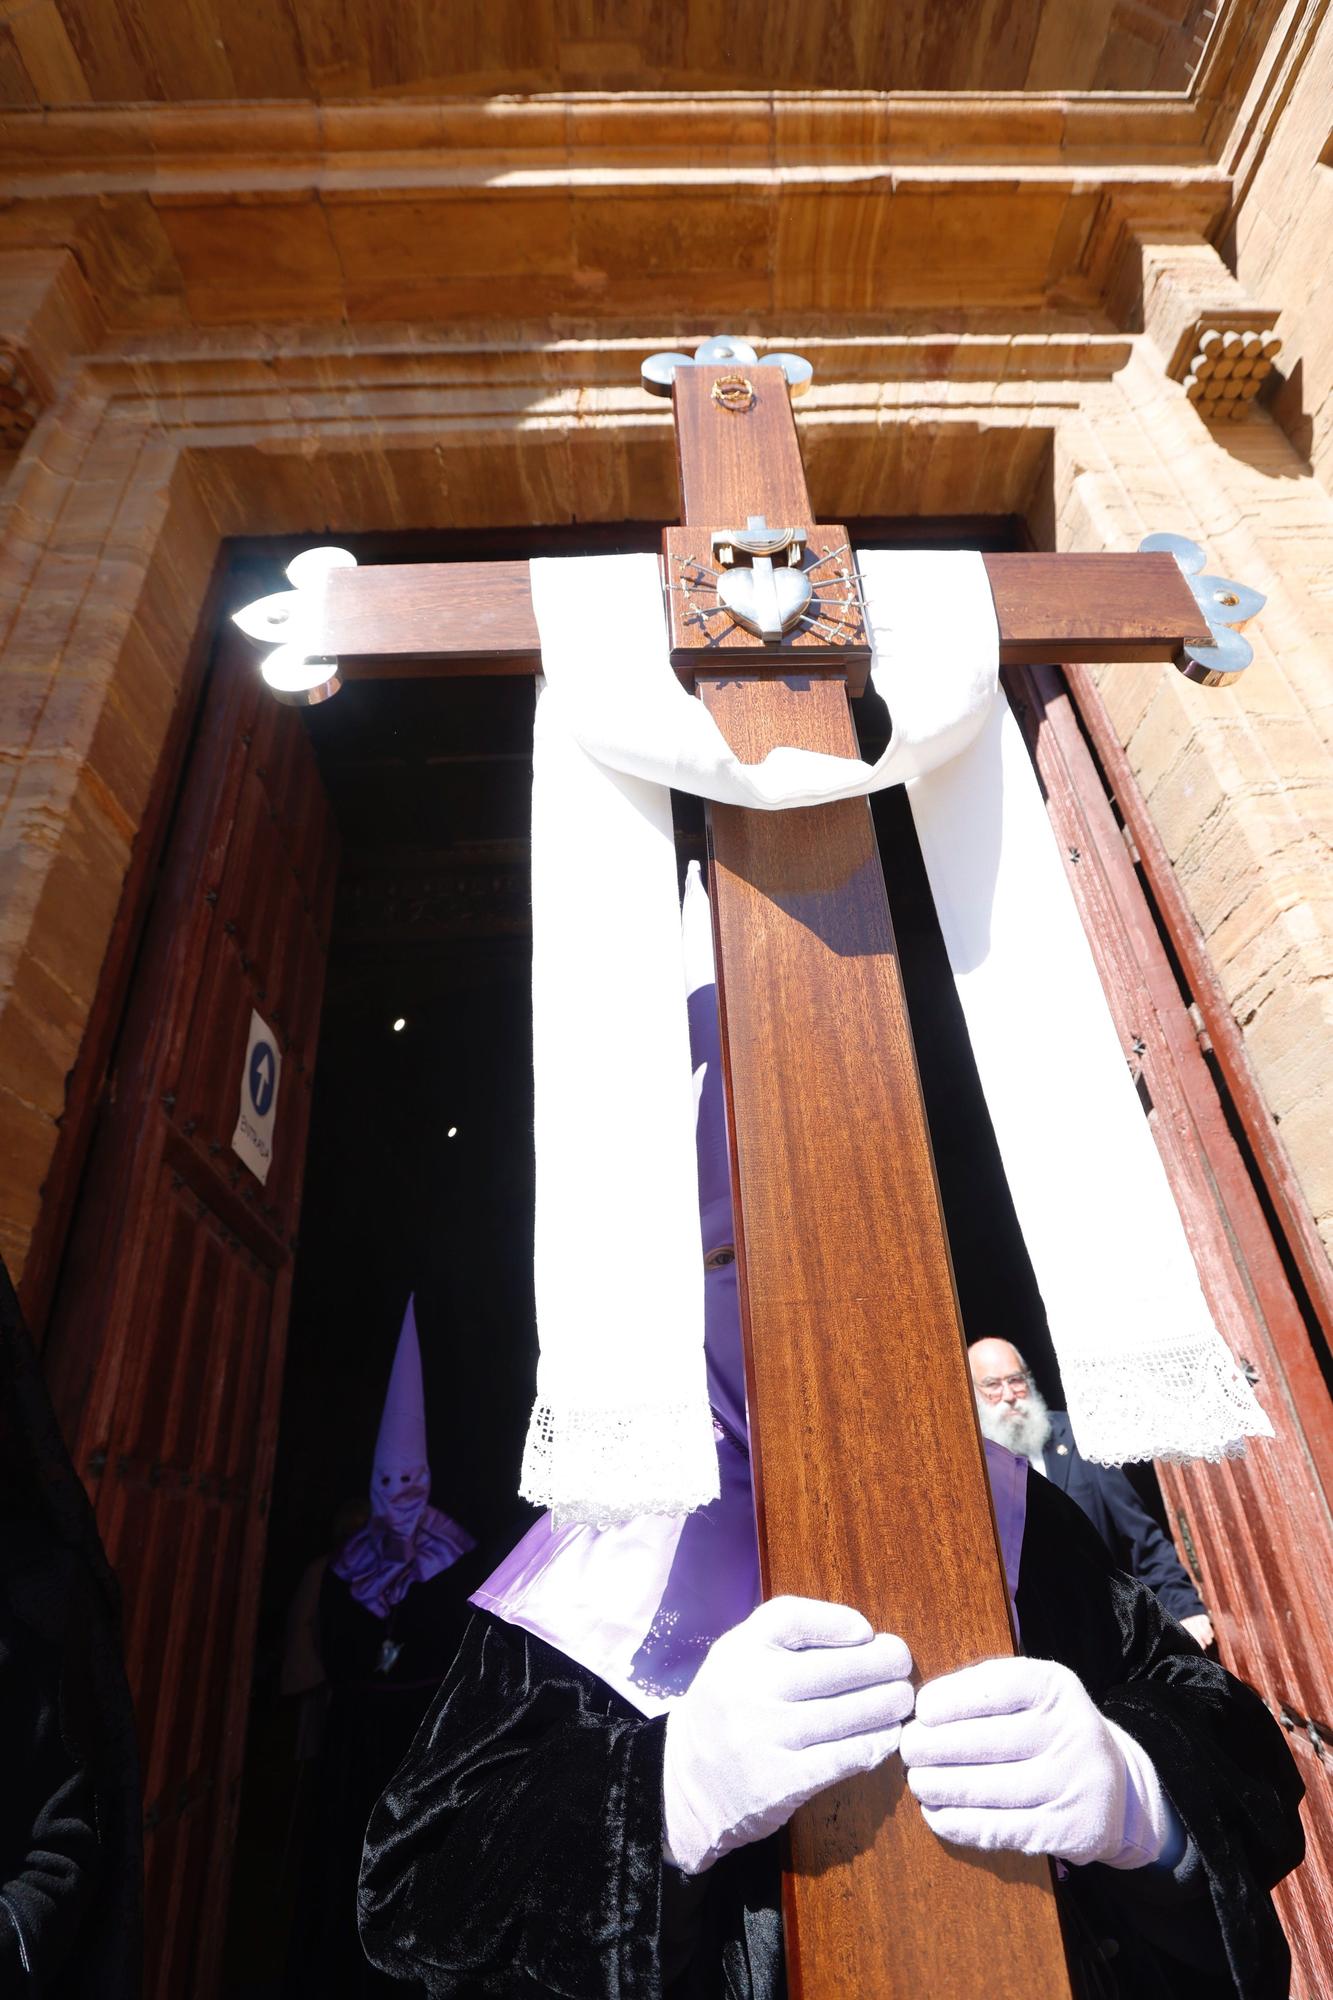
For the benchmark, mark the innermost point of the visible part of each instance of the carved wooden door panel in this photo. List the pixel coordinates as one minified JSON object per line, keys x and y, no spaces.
{"x":1257,"y":1531}
{"x":166,"y":1348}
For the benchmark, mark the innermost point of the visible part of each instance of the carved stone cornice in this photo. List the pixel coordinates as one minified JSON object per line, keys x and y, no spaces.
{"x":584,"y":206}
{"x":448,"y":242}
{"x":463,"y":141}
{"x":510,"y":368}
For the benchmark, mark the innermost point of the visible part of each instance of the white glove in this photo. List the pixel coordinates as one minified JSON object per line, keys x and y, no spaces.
{"x":1014,"y":1754}
{"x":798,"y":1696}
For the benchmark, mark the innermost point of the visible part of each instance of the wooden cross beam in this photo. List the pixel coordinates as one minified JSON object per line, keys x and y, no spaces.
{"x":403,"y":621}
{"x":870,"y":1483}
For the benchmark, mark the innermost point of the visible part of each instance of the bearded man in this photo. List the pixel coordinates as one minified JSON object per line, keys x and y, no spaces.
{"x":1013,"y":1413}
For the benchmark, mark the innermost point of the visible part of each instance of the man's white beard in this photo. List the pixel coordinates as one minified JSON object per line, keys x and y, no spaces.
{"x":1020,"y":1427}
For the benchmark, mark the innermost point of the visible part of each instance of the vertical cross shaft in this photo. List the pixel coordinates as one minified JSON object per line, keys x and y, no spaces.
{"x":869,"y":1478}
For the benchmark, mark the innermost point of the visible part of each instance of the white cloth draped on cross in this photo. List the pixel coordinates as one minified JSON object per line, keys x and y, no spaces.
{"x":621,"y":1424}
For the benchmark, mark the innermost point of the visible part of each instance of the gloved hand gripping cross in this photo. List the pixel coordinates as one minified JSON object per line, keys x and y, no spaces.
{"x":1006,"y":1754}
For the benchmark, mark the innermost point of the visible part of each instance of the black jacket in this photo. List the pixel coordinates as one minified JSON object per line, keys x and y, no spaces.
{"x":1121,"y":1519}
{"x":376,"y":1708}
{"x":518,"y":1851}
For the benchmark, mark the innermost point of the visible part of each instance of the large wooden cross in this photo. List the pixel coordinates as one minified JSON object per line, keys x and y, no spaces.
{"x":869,"y":1476}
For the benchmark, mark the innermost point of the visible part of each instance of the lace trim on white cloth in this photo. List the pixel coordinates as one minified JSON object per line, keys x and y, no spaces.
{"x":1144,"y":1371}
{"x":582,"y":1461}
{"x":1177,"y":1400}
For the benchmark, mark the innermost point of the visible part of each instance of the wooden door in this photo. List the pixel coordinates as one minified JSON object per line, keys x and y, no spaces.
{"x":1257,"y":1531}
{"x":166,"y":1346}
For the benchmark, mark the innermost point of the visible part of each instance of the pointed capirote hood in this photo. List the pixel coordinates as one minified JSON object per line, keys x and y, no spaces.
{"x":400,"y":1449}
{"x":406,"y":1540}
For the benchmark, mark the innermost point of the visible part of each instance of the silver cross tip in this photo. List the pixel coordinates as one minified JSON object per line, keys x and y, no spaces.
{"x":659,"y":370}
{"x":1226,"y":605}
{"x":299,"y":669}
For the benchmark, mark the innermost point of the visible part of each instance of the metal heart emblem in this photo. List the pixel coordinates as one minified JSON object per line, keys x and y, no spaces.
{"x":742,"y":592}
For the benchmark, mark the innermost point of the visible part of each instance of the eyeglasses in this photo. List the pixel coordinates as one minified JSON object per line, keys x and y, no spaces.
{"x":994,"y":1386}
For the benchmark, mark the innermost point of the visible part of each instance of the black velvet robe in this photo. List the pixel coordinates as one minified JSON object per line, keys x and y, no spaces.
{"x":518,"y":1850}
{"x":376,"y":1707}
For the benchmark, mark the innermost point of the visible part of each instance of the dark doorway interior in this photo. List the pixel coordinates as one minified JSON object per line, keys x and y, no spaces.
{"x":419,"y":1173}
{"x":419,"y":1169}
{"x":394,"y":1205}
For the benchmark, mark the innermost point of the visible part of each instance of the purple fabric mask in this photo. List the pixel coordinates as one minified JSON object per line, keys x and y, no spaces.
{"x":406,"y":1540}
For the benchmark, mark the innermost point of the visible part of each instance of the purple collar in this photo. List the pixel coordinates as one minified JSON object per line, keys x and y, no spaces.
{"x":640,"y":1604}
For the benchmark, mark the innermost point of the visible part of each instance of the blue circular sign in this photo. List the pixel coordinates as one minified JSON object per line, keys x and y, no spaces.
{"x":263,"y":1077}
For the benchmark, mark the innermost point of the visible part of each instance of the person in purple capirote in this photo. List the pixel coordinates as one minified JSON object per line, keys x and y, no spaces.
{"x":391,"y":1610}
{"x":591,"y":1807}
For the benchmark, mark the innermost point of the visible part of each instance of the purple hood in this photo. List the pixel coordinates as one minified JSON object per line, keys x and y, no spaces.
{"x":406,"y":1540}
